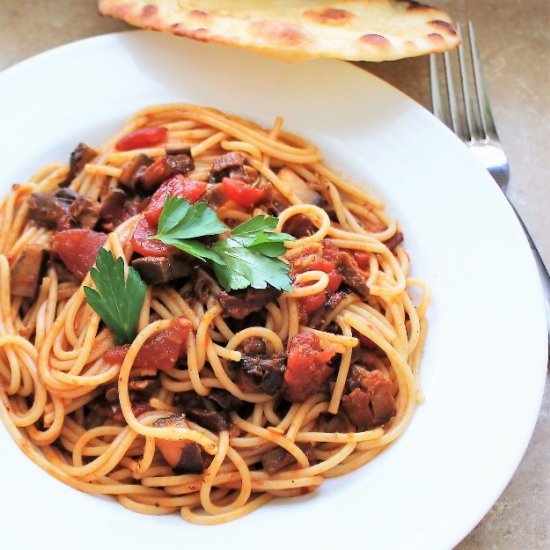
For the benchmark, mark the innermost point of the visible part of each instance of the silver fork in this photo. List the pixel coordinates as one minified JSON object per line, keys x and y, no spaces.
{"x":468,"y":114}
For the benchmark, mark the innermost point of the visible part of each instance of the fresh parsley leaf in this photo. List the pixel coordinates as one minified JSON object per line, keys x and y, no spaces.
{"x":181,"y":223}
{"x":182,"y":220}
{"x":259,"y":230}
{"x":247,"y":257}
{"x":194,"y":248}
{"x":255,"y":226}
{"x":250,"y":256}
{"x":118,"y":299}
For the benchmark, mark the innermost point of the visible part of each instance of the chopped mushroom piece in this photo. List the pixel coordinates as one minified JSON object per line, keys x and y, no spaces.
{"x":205,"y":287}
{"x":182,"y":455}
{"x":113,"y":410}
{"x":299,"y":226}
{"x":244,"y":173}
{"x":297,"y":187}
{"x":85,"y":211}
{"x":279,"y":458}
{"x":215,"y":195}
{"x":266,"y":371}
{"x":140,"y":389}
{"x":370,"y":402}
{"x":80,"y":156}
{"x":158,"y":270}
{"x":225,"y":400}
{"x":354,"y":277}
{"x":210,"y":411}
{"x":239,"y":305}
{"x":133,"y":170}
{"x":165,"y":167}
{"x":224,"y":164}
{"x":26,"y":271}
{"x":395,"y":240}
{"x":112,"y":208}
{"x":48,"y":210}
{"x":254,"y":346}
{"x":63,"y":209}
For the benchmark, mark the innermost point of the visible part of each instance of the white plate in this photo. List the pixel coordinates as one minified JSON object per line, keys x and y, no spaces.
{"x":484,"y":366}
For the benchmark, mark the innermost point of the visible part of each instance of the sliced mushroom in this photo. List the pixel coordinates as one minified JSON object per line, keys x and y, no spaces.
{"x":161,"y":270}
{"x":224,"y":164}
{"x":133,"y":170}
{"x":80,"y":156}
{"x":165,"y":167}
{"x":297,"y":187}
{"x":26,"y":271}
{"x":182,"y":455}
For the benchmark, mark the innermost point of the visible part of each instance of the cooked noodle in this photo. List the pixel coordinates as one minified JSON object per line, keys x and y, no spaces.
{"x":52,"y":346}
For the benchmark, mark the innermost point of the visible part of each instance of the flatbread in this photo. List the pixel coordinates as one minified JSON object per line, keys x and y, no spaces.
{"x":368,"y":30}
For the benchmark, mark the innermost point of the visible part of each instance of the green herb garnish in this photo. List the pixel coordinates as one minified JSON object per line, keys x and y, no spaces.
{"x":181,"y":222}
{"x":250,"y":256}
{"x":118,"y":299}
{"x":247,"y":257}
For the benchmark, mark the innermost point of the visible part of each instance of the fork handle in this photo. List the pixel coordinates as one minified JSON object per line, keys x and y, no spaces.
{"x":543,"y":271}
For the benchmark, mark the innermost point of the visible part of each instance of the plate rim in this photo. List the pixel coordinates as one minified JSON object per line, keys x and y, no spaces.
{"x":26,"y":64}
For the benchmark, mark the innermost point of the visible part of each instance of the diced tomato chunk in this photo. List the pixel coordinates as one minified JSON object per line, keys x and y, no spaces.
{"x":142,"y":244}
{"x":160,"y":351}
{"x":362,"y":259}
{"x":322,"y":264}
{"x":313,"y":302}
{"x":242,"y":193}
{"x":116,"y":354}
{"x":176,"y":186}
{"x":144,"y":137}
{"x":78,"y":249}
{"x":328,"y":267}
{"x":306,"y":368}
{"x":334,"y":281}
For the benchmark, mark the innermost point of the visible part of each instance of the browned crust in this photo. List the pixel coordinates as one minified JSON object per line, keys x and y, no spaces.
{"x":443,"y":26}
{"x":418,"y":6}
{"x":329,"y":16}
{"x":149,"y":10}
{"x":200,"y":34}
{"x":280,"y":32}
{"x":375,"y":40}
{"x":198,"y":13}
{"x":294,"y":36}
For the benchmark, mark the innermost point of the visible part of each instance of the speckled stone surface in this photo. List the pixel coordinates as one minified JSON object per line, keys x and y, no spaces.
{"x":514,"y":38}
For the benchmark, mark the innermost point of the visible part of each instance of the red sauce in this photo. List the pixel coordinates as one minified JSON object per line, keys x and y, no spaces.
{"x":160,"y":351}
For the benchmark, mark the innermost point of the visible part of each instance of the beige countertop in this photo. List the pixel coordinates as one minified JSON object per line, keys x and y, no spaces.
{"x":514,"y":38}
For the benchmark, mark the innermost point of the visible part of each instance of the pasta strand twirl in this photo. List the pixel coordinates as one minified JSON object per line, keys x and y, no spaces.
{"x":253,"y":395}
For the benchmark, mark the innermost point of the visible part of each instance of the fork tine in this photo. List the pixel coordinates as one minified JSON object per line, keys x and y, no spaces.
{"x":435,"y":86}
{"x":451,"y":91}
{"x":485,"y":111}
{"x":473,"y":122}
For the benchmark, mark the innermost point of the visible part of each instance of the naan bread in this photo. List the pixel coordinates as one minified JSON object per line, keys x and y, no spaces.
{"x":368,"y":30}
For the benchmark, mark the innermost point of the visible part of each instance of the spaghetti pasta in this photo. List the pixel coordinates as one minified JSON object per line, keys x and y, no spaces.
{"x":269,"y":392}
